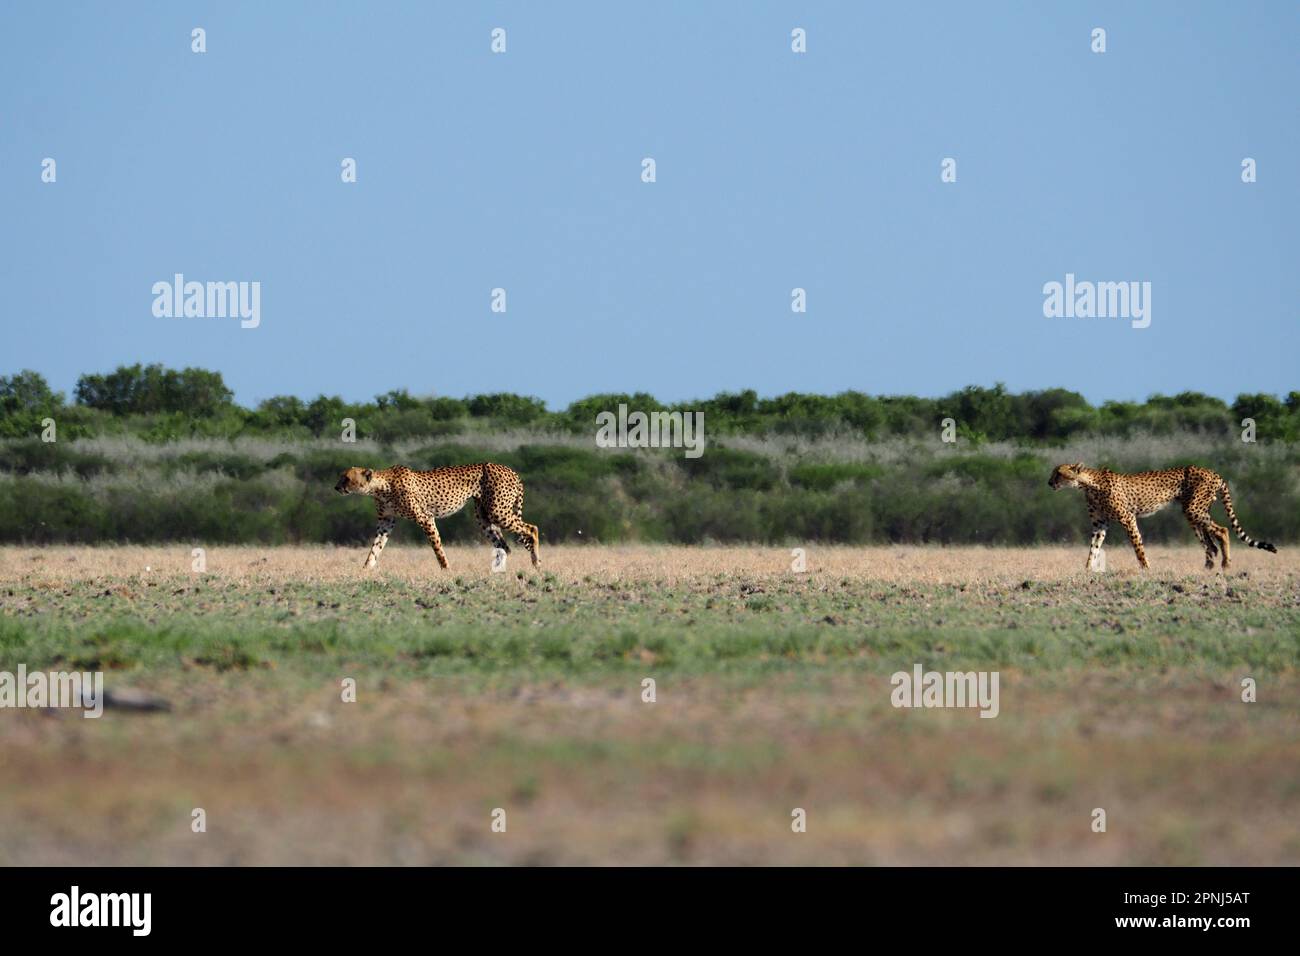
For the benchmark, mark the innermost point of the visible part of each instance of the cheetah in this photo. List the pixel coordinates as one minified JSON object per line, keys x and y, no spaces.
{"x":1125,"y":498}
{"x":424,"y":496}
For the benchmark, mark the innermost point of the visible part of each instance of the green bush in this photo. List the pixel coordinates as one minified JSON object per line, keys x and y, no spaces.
{"x":227,"y":493}
{"x":32,"y":454}
{"x":824,"y":476}
{"x":723,"y":467}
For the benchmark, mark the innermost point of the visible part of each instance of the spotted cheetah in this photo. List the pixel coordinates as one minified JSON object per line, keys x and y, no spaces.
{"x":1125,"y":498}
{"x":424,"y":496}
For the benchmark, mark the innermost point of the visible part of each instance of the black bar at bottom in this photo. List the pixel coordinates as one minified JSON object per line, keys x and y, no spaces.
{"x":655,"y":906}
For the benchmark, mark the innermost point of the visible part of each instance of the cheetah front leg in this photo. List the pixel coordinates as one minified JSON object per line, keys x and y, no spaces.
{"x":384,"y":529}
{"x":1135,"y":536}
{"x":430,"y":529}
{"x":1095,"y":560}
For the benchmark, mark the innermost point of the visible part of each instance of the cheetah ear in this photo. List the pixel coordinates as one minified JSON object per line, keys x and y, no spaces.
{"x":369,"y":474}
{"x":1077,"y":466}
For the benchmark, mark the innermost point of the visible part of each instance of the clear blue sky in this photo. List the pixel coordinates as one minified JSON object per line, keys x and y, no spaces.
{"x":775,"y":170}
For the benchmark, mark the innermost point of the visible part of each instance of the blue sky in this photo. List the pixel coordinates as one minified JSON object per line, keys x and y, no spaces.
{"x":774,"y":171}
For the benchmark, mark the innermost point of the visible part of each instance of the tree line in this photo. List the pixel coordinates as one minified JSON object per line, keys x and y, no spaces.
{"x":160,"y":404}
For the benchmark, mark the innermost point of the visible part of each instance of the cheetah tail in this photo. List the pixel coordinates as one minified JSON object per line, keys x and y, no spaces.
{"x":1236,"y":525}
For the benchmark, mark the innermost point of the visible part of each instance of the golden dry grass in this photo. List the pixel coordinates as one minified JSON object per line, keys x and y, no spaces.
{"x":632,"y":563}
{"x":709,"y":773}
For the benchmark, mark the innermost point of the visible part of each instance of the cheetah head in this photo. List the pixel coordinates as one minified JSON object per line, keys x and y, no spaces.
{"x":354,"y":481}
{"x":1065,"y":476}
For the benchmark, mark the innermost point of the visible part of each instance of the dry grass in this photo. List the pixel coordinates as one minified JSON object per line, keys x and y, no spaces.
{"x":709,"y":773}
{"x":632,"y":563}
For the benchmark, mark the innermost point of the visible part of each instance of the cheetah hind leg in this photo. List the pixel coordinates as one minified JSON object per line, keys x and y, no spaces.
{"x":1209,"y":544}
{"x":1209,"y":541}
{"x":491,"y":531}
{"x":526,"y":534}
{"x":1214,"y":530}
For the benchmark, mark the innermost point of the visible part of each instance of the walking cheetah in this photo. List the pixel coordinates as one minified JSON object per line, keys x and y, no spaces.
{"x":424,"y":496}
{"x":1125,"y":498}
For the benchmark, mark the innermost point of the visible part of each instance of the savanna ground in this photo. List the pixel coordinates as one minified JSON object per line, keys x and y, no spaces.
{"x":523,"y":691}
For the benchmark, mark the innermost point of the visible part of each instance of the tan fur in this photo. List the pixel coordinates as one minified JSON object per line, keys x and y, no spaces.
{"x":1125,"y":498}
{"x":423,"y":496}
